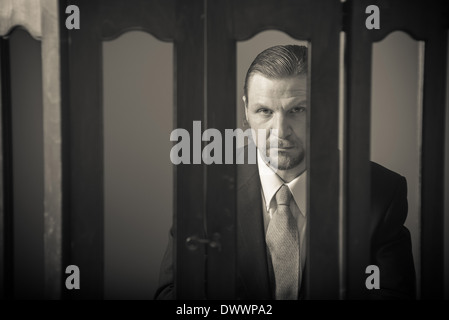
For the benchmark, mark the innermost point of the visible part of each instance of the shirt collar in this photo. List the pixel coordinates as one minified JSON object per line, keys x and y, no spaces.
{"x":271,"y":183}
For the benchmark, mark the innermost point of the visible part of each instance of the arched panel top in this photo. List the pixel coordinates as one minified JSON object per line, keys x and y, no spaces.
{"x":26,"y":14}
{"x":292,"y":17}
{"x":420,"y":19}
{"x":117,"y":33}
{"x":409,"y":32}
{"x":257,"y":31}
{"x":154,"y":17}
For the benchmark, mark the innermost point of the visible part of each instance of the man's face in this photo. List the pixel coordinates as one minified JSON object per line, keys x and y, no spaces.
{"x":279,"y":104}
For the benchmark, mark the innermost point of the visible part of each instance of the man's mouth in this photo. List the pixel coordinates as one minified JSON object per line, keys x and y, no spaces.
{"x":281,"y":149}
{"x":283,"y":146}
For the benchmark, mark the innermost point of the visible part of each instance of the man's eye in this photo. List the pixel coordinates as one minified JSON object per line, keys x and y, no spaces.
{"x":265,"y":112}
{"x":298,"y":110}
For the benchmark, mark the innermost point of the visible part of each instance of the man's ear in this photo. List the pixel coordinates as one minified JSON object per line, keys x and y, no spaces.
{"x":246,"y":107}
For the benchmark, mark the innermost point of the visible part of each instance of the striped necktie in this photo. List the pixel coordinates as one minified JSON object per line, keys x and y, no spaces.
{"x":282,"y":241}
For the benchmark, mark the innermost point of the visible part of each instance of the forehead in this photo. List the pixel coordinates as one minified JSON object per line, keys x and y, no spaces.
{"x":261,"y":86}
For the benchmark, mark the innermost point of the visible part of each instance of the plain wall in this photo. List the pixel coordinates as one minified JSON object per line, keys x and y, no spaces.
{"x":138,"y":177}
{"x":396,"y":116}
{"x":27,"y":156}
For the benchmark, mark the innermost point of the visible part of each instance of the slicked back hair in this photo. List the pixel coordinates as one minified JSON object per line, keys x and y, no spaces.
{"x":278,"y":62}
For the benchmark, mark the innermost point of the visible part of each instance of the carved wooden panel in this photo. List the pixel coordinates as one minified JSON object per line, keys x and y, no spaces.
{"x":41,"y":20}
{"x":319,"y":23}
{"x":426,"y":21}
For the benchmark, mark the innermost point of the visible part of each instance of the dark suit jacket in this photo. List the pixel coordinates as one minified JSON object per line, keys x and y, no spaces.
{"x":390,"y":240}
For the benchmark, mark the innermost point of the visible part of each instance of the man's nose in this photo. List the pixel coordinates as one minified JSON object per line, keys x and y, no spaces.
{"x":282,"y":126}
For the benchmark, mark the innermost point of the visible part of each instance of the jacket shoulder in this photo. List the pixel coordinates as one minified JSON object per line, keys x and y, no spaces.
{"x":381,"y":173}
{"x":385,"y":184}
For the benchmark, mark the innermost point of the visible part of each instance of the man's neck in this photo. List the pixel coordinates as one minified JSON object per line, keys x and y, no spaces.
{"x":289,"y":175}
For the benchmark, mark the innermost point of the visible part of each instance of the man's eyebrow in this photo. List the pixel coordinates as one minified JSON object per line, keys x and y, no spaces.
{"x":297,"y":103}
{"x":260,"y":105}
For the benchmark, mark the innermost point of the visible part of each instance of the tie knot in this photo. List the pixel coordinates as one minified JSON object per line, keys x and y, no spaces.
{"x":283,"y":196}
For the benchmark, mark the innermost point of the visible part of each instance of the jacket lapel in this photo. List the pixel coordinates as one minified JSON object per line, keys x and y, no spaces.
{"x":252,"y":267}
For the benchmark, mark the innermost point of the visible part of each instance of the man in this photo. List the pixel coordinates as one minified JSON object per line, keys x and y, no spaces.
{"x":271,"y":195}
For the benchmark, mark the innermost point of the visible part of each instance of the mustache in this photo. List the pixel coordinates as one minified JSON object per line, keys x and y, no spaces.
{"x":281,"y":143}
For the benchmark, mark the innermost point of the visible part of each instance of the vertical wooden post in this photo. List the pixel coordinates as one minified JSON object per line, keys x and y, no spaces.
{"x":51,"y":72}
{"x":432,"y":157}
{"x":220,"y":99}
{"x":357,"y":152}
{"x":190,"y":265}
{"x":6,"y":195}
{"x":86,"y":153}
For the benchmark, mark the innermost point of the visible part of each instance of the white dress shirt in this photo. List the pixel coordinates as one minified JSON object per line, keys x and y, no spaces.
{"x":271,"y":183}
